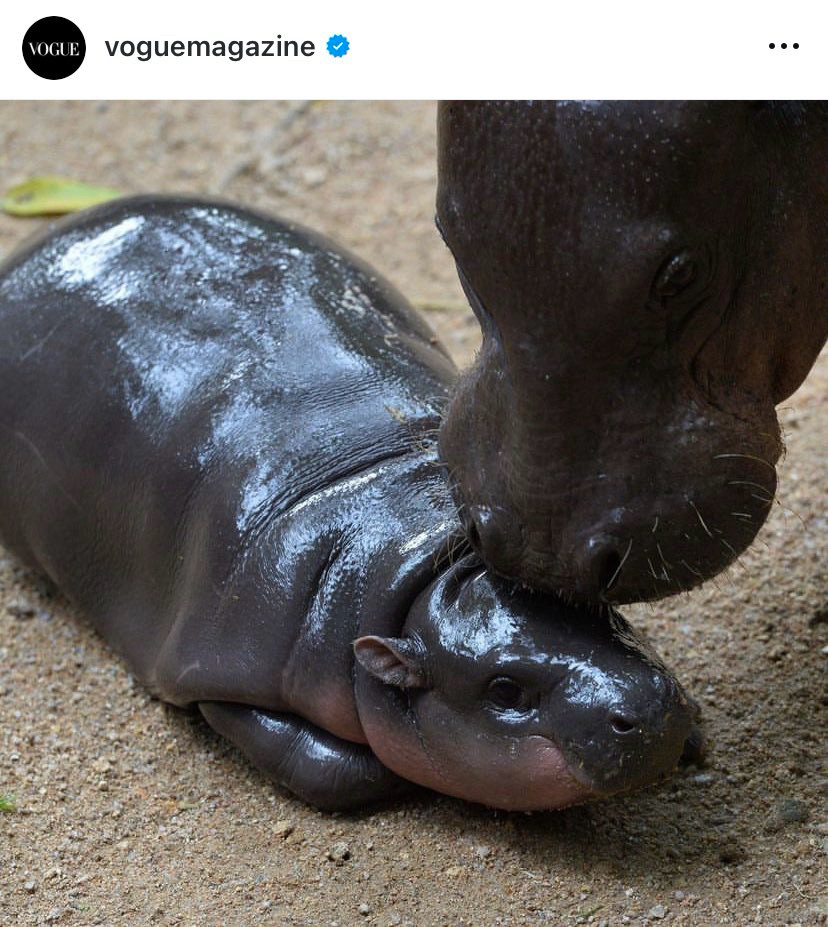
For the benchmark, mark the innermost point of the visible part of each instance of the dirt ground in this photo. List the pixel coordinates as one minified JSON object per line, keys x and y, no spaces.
{"x":130,"y":812}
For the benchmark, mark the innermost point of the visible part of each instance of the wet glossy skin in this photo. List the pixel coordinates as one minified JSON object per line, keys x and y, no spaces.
{"x":651,"y":280}
{"x":546,"y":704}
{"x":216,"y":436}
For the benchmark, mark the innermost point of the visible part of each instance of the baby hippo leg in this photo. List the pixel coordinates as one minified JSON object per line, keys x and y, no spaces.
{"x":321,"y":769}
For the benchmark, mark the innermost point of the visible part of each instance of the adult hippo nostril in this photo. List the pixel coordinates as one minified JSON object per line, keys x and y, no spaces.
{"x":470,"y":528}
{"x":492,"y":535}
{"x":623,"y":723}
{"x":598,"y":566}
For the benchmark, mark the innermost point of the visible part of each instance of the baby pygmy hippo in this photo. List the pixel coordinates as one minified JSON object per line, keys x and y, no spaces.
{"x":217,"y":437}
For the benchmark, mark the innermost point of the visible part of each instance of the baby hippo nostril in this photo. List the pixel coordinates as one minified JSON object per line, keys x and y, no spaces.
{"x":623,"y":723}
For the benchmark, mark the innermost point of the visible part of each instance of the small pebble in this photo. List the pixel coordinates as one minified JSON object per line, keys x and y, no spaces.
{"x":314,"y":176}
{"x":679,"y":895}
{"x":339,"y":853}
{"x":658,"y":912}
{"x":391,"y":920}
{"x":21,"y":609}
{"x":30,"y":887}
{"x":364,"y":909}
{"x":704,"y":778}
{"x":792,"y":811}
{"x":283,"y":829}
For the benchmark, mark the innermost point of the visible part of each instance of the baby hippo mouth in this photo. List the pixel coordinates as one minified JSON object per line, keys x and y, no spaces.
{"x":629,"y":746}
{"x":624,"y":758}
{"x":550,"y":780}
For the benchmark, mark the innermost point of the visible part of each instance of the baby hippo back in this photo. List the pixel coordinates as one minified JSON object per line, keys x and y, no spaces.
{"x":174,"y":374}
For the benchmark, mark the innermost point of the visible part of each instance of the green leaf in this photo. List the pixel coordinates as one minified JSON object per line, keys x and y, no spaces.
{"x":50,"y":196}
{"x":8,"y":803}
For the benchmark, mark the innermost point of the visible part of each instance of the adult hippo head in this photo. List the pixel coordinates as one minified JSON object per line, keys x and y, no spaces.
{"x":650,"y":279}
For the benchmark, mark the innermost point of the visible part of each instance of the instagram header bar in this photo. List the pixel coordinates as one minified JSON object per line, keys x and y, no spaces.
{"x":428,"y":49}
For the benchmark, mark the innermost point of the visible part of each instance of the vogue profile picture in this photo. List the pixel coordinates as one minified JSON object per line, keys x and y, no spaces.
{"x":54,"y":48}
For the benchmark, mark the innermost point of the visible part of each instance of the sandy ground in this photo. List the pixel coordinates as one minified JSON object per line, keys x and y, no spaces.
{"x":130,"y":812}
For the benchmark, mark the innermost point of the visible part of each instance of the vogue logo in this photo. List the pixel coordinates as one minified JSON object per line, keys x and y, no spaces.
{"x":54,"y":48}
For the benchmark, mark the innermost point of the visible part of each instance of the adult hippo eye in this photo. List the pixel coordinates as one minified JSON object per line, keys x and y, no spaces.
{"x":506,"y":694}
{"x":676,"y":274}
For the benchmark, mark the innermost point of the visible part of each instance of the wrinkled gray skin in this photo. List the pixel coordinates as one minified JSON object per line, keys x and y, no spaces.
{"x":217,"y":437}
{"x":651,"y":281}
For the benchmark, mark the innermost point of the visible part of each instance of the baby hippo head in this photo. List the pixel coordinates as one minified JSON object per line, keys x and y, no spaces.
{"x":515,"y":700}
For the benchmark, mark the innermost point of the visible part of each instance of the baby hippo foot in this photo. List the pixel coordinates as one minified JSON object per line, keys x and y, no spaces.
{"x":321,"y":769}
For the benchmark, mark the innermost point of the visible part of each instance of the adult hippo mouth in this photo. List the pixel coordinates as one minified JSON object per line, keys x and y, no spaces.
{"x":650,"y":282}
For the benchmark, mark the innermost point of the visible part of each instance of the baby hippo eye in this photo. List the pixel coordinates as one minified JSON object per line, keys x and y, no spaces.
{"x":505,"y":693}
{"x":677,"y":273}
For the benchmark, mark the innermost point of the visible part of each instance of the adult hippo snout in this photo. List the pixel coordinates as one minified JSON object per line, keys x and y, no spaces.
{"x":650,"y":282}
{"x":596,"y":509}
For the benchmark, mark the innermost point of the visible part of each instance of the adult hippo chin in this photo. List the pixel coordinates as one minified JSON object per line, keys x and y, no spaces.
{"x":650,"y":279}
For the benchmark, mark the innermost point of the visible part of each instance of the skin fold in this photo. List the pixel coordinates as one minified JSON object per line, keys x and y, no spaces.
{"x":650,"y":280}
{"x":217,"y":437}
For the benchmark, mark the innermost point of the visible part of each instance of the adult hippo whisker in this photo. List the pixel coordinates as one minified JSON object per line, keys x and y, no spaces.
{"x":695,"y":572}
{"x":736,"y":559}
{"x":619,"y":567}
{"x":664,"y":575}
{"x":460,"y":544}
{"x":655,"y":525}
{"x":729,"y":546}
{"x":764,"y":499}
{"x":760,"y":460}
{"x":565,"y":595}
{"x":447,"y":556}
{"x":701,"y":520}
{"x":751,"y":536}
{"x":663,"y":559}
{"x":766,"y":489}
{"x":787,"y":508}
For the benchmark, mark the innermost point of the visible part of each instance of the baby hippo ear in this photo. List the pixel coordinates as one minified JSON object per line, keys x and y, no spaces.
{"x":393,"y":660}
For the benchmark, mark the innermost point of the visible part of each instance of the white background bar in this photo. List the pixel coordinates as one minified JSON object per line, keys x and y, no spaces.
{"x":422,"y":49}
